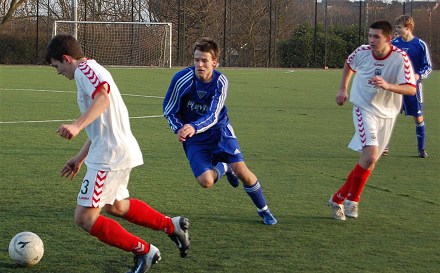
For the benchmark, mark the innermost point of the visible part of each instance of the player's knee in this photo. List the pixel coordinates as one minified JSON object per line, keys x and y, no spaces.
{"x":206,"y":184}
{"x":245,"y":175}
{"x":85,"y":218}
{"x":242,"y":174}
{"x":370,"y":160}
{"x":207,"y":179}
{"x":81,"y":221}
{"x":114,"y":210}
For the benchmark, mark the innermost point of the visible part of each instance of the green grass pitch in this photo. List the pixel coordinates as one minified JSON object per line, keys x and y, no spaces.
{"x":294,"y":137}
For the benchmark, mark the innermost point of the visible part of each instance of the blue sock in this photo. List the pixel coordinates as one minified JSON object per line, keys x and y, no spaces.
{"x":256,"y":194}
{"x":220,"y":168}
{"x":421,"y":135}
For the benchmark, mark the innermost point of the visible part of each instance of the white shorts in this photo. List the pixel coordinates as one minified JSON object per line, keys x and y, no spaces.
{"x":103,"y":187}
{"x":371,"y":130}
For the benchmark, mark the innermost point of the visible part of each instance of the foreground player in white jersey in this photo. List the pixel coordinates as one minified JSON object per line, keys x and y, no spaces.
{"x":383,"y":73}
{"x":110,"y":152}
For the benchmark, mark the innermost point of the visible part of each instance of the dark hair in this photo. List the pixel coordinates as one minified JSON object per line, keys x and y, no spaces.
{"x":385,"y":26}
{"x":63,"y":44}
{"x":207,"y":44}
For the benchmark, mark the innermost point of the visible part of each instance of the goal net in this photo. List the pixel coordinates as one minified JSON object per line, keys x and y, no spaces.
{"x":122,"y":43}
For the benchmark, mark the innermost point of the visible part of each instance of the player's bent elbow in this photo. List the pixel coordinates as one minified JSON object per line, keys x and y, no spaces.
{"x":408,"y":90}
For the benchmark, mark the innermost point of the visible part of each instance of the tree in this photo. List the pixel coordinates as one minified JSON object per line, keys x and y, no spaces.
{"x":13,"y":7}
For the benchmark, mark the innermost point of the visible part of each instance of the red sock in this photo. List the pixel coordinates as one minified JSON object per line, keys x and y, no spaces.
{"x":141,"y":214}
{"x":342,"y":193}
{"x":112,"y":233}
{"x":360,"y":177}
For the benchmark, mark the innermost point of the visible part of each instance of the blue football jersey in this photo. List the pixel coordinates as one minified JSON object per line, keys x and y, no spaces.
{"x":418,"y":53}
{"x":200,"y":104}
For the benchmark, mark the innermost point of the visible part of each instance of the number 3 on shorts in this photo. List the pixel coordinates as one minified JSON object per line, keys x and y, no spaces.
{"x":85,"y":186}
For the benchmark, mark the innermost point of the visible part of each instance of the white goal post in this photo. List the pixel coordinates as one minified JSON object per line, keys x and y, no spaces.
{"x":122,"y":43}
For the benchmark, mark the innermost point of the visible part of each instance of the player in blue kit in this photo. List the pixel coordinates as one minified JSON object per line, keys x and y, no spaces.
{"x":195,"y":109}
{"x":418,"y":53}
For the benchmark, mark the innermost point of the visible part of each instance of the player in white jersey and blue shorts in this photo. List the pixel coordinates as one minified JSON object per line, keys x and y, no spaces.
{"x":194,"y":107}
{"x":383,"y":73}
{"x":110,"y":153}
{"x":418,"y":53}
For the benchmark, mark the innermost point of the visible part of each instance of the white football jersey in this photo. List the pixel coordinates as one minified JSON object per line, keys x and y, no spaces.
{"x":113,"y":145}
{"x":395,"y":68}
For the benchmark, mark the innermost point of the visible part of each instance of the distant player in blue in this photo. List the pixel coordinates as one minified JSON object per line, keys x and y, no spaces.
{"x":418,"y":53}
{"x":195,"y":109}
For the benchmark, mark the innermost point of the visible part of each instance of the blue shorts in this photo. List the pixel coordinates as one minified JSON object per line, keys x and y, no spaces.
{"x":413,"y":105}
{"x":206,"y":149}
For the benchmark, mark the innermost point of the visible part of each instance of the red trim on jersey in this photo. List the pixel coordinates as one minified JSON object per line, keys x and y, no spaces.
{"x":386,"y":56}
{"x":351,"y":68}
{"x":407,"y":66}
{"x":93,"y":78}
{"x":351,"y":57}
{"x":99,"y":87}
{"x":89,"y":73}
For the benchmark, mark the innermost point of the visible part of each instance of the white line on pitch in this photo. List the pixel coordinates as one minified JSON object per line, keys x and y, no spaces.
{"x":146,"y":117}
{"x":36,"y":90}
{"x":63,"y":120}
{"x":73,"y":92}
{"x":35,"y":121}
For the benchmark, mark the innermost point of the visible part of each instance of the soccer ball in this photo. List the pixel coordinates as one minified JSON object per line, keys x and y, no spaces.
{"x":26,"y":249}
